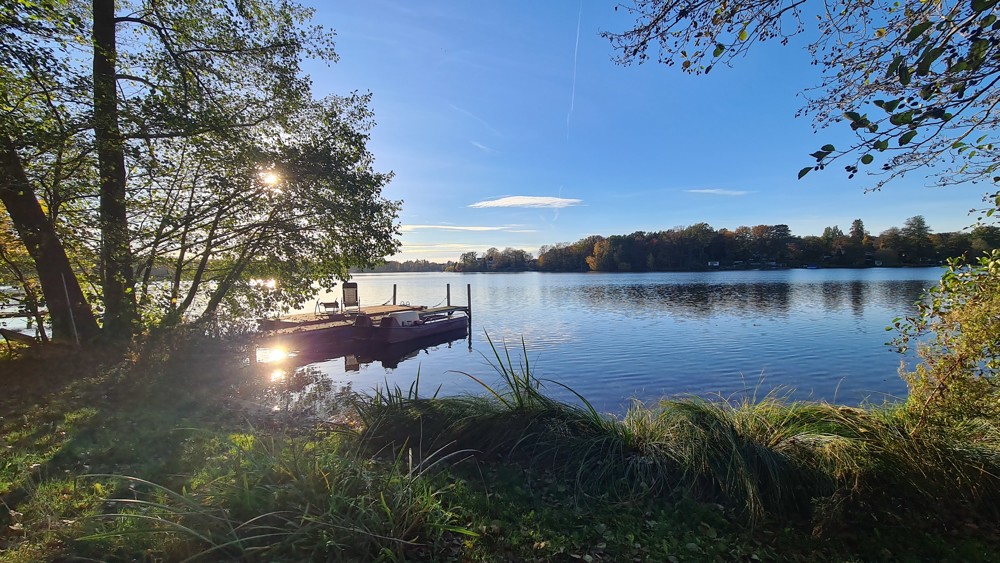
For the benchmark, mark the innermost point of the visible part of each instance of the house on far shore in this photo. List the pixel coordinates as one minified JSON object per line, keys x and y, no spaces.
{"x":713,"y":263}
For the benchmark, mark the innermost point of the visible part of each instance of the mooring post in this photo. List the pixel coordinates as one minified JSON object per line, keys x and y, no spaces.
{"x":447,"y":288}
{"x":468,"y":307}
{"x":393,"y":294}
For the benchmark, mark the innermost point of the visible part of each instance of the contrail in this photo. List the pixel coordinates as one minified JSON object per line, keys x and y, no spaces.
{"x":576,"y":50}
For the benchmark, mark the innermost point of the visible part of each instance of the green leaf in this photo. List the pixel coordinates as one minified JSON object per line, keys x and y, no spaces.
{"x":977,"y":51}
{"x":882,"y":145}
{"x":907,"y":137}
{"x":917,"y":31}
{"x":902,"y":118}
{"x":983,"y":5}
{"x":819,"y":155}
{"x":891,"y":105}
{"x":924,"y":64}
{"x":853,"y":116}
{"x":827,"y":148}
{"x":867,"y":159}
{"x":804,"y":171}
{"x":743,"y":34}
{"x":719,"y":49}
{"x":894,"y":66}
{"x":904,"y":75}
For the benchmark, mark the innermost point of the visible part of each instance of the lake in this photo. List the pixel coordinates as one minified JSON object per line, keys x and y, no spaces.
{"x":811,"y":334}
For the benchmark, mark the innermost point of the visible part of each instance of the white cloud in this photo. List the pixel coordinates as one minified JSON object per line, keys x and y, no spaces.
{"x":717,"y":191}
{"x":528,"y":201}
{"x":443,"y":247}
{"x":411,"y":228}
{"x":482,"y":147}
{"x":446,"y":251}
{"x":482,"y":121}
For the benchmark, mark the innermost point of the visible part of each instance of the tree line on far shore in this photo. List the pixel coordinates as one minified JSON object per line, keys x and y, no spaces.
{"x":702,"y":247}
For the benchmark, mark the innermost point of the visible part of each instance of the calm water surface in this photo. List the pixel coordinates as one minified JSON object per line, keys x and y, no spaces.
{"x":615,"y":337}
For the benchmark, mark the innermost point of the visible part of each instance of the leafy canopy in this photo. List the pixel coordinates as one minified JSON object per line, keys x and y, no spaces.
{"x":915,"y":80}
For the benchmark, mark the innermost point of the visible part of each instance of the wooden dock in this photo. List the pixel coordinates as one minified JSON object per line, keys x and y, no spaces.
{"x":303,"y":330}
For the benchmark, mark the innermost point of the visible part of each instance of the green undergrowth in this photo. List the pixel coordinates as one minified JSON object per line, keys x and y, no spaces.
{"x":148,"y":457}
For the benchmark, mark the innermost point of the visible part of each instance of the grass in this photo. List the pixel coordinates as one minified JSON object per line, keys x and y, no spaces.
{"x":146,"y":458}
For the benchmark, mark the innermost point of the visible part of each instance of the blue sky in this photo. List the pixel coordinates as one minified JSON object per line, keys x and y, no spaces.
{"x":508,"y":124}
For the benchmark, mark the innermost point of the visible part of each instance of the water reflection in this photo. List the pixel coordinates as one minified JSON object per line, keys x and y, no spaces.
{"x":293,"y":383}
{"x":703,"y":300}
{"x":612,"y":337}
{"x":692,"y":300}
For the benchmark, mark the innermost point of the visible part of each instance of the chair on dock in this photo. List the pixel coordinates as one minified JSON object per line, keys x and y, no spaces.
{"x":351,"y":299}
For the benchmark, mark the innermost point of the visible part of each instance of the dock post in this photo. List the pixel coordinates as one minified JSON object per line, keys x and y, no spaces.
{"x":447,"y":287}
{"x":468,"y":307}
{"x":393,"y":294}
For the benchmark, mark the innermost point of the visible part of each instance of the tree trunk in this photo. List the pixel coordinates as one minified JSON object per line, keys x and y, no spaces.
{"x":39,"y":236}
{"x":118,"y":279}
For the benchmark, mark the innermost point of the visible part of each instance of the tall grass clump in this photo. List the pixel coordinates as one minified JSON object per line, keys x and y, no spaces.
{"x":749,"y":453}
{"x":282,"y":499}
{"x":518,"y":420}
{"x":761,"y":457}
{"x":515,"y":416}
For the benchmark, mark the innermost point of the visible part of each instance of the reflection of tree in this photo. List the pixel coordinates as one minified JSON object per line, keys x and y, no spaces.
{"x":904,"y":291}
{"x":701,"y":300}
{"x":687,"y":300}
{"x":858,"y":291}
{"x":832,"y":295}
{"x":290,"y":395}
{"x":297,"y":389}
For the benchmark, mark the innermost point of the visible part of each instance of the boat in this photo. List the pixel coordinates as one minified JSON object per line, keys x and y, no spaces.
{"x":403,"y":326}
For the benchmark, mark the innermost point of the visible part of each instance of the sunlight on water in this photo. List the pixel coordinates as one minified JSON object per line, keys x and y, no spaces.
{"x":271,"y":355}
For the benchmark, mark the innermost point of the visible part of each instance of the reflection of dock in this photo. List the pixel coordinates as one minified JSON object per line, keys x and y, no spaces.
{"x":357,"y":352}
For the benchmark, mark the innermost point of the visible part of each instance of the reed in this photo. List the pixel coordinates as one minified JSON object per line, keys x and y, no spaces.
{"x":768,"y":457}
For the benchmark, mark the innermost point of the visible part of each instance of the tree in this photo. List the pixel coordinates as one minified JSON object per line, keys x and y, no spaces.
{"x":70,"y":313}
{"x":198,"y":102}
{"x":858,"y":232}
{"x":468,"y":261}
{"x":927,"y":69}
{"x":295,"y":222}
{"x":916,"y":238}
{"x":831,"y":234}
{"x":117,"y":278}
{"x":38,"y":99}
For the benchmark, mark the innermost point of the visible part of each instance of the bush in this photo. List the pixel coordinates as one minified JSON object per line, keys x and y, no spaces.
{"x":957,"y":336}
